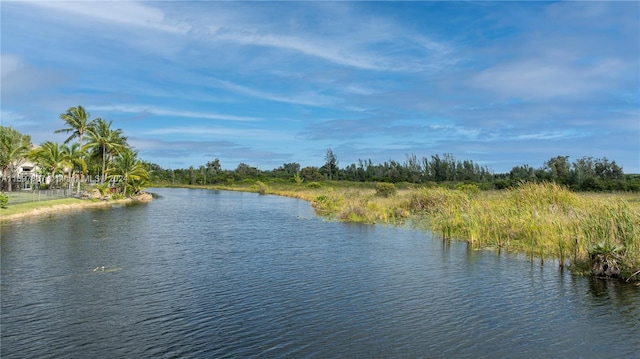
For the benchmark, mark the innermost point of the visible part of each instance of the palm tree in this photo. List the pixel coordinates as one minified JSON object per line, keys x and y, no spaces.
{"x":75,"y":156}
{"x":52,"y":158}
{"x":14,"y":147}
{"x":105,"y":142}
{"x":77,"y":120}
{"x":129,"y":169}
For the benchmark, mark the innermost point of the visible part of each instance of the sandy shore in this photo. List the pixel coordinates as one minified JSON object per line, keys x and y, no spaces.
{"x":81,"y":204}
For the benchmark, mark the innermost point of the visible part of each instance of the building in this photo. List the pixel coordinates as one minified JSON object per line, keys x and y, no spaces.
{"x":23,"y":177}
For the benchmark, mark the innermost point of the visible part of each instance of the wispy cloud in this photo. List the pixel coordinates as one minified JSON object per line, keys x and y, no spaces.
{"x":221,"y":132}
{"x":287,"y":80}
{"x":120,"y":13}
{"x":153,"y":110}
{"x":308,"y":99}
{"x":20,"y":77}
{"x":543,"y":79}
{"x":353,"y":45}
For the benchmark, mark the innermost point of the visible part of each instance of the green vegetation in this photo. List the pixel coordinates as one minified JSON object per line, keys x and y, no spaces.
{"x":385,"y":189}
{"x":4,"y":201}
{"x":586,"y":231}
{"x":26,"y":207}
{"x":14,"y":147}
{"x":528,"y":210}
{"x":584,"y":174}
{"x":104,"y":160}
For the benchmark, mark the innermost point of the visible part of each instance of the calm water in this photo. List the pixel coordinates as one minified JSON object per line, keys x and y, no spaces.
{"x":199,"y":274}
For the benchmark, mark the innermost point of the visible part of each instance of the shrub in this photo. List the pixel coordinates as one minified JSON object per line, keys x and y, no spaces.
{"x":4,"y":201}
{"x":103,"y":188}
{"x":384,"y":189}
{"x":314,"y":185}
{"x":261,"y":187}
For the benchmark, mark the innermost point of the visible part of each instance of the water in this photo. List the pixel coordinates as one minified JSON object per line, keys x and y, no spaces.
{"x":198,"y":274}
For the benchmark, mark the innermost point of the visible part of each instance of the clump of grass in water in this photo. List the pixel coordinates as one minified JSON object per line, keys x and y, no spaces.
{"x":611,"y":233}
{"x":542,"y":219}
{"x":260,"y":187}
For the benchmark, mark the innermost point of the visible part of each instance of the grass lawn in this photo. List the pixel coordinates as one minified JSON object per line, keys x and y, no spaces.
{"x":21,"y":208}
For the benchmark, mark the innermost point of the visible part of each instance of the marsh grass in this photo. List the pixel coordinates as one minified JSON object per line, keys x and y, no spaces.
{"x":544,"y":220}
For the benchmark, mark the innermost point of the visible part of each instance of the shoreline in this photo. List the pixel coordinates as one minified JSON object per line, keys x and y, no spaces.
{"x":79,"y":204}
{"x":361,"y":205}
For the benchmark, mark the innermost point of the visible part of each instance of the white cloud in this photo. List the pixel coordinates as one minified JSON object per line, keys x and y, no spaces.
{"x":359,"y":45}
{"x":224,"y":133}
{"x":116,"y":12}
{"x":330,"y":51}
{"x":550,"y":135}
{"x":535,"y":79}
{"x":169,"y":112}
{"x":21,"y":78}
{"x":9,"y":64}
{"x":308,"y":98}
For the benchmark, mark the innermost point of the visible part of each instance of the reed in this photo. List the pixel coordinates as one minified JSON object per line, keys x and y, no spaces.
{"x":544,"y":220}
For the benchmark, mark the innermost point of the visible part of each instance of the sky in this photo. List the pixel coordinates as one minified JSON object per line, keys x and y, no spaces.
{"x":263,"y":83}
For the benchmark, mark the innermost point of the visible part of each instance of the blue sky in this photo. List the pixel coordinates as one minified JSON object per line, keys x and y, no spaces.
{"x":267,"y":83}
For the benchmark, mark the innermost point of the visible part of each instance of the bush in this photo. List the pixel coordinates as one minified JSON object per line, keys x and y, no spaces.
{"x":260,"y":187}
{"x":4,"y":201}
{"x":384,"y":189}
{"x":314,"y":185}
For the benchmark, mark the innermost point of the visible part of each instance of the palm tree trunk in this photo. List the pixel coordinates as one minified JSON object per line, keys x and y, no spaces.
{"x":104,"y":163}
{"x":9,"y":179}
{"x":81,"y":157}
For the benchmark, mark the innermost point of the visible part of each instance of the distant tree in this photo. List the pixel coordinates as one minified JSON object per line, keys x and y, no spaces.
{"x":245,"y":171}
{"x":583,"y":173}
{"x":522,"y":173}
{"x":413,"y":168}
{"x":311,"y":174}
{"x":291,"y":168}
{"x":443,"y":168}
{"x":331,"y":164}
{"x":608,"y":170}
{"x":213,"y":168}
{"x":558,"y":169}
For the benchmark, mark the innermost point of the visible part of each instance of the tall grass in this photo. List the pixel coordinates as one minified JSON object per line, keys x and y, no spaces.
{"x":544,"y":220}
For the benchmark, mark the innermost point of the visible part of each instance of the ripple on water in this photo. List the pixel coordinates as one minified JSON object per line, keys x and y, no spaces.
{"x":224,"y":274}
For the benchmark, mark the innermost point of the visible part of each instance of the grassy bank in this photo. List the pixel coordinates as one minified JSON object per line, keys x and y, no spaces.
{"x":592,"y":233}
{"x":14,"y":210}
{"x":44,"y":207}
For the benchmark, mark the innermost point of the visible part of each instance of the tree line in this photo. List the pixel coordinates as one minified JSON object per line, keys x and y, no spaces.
{"x":584,"y":174}
{"x":100,"y":156}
